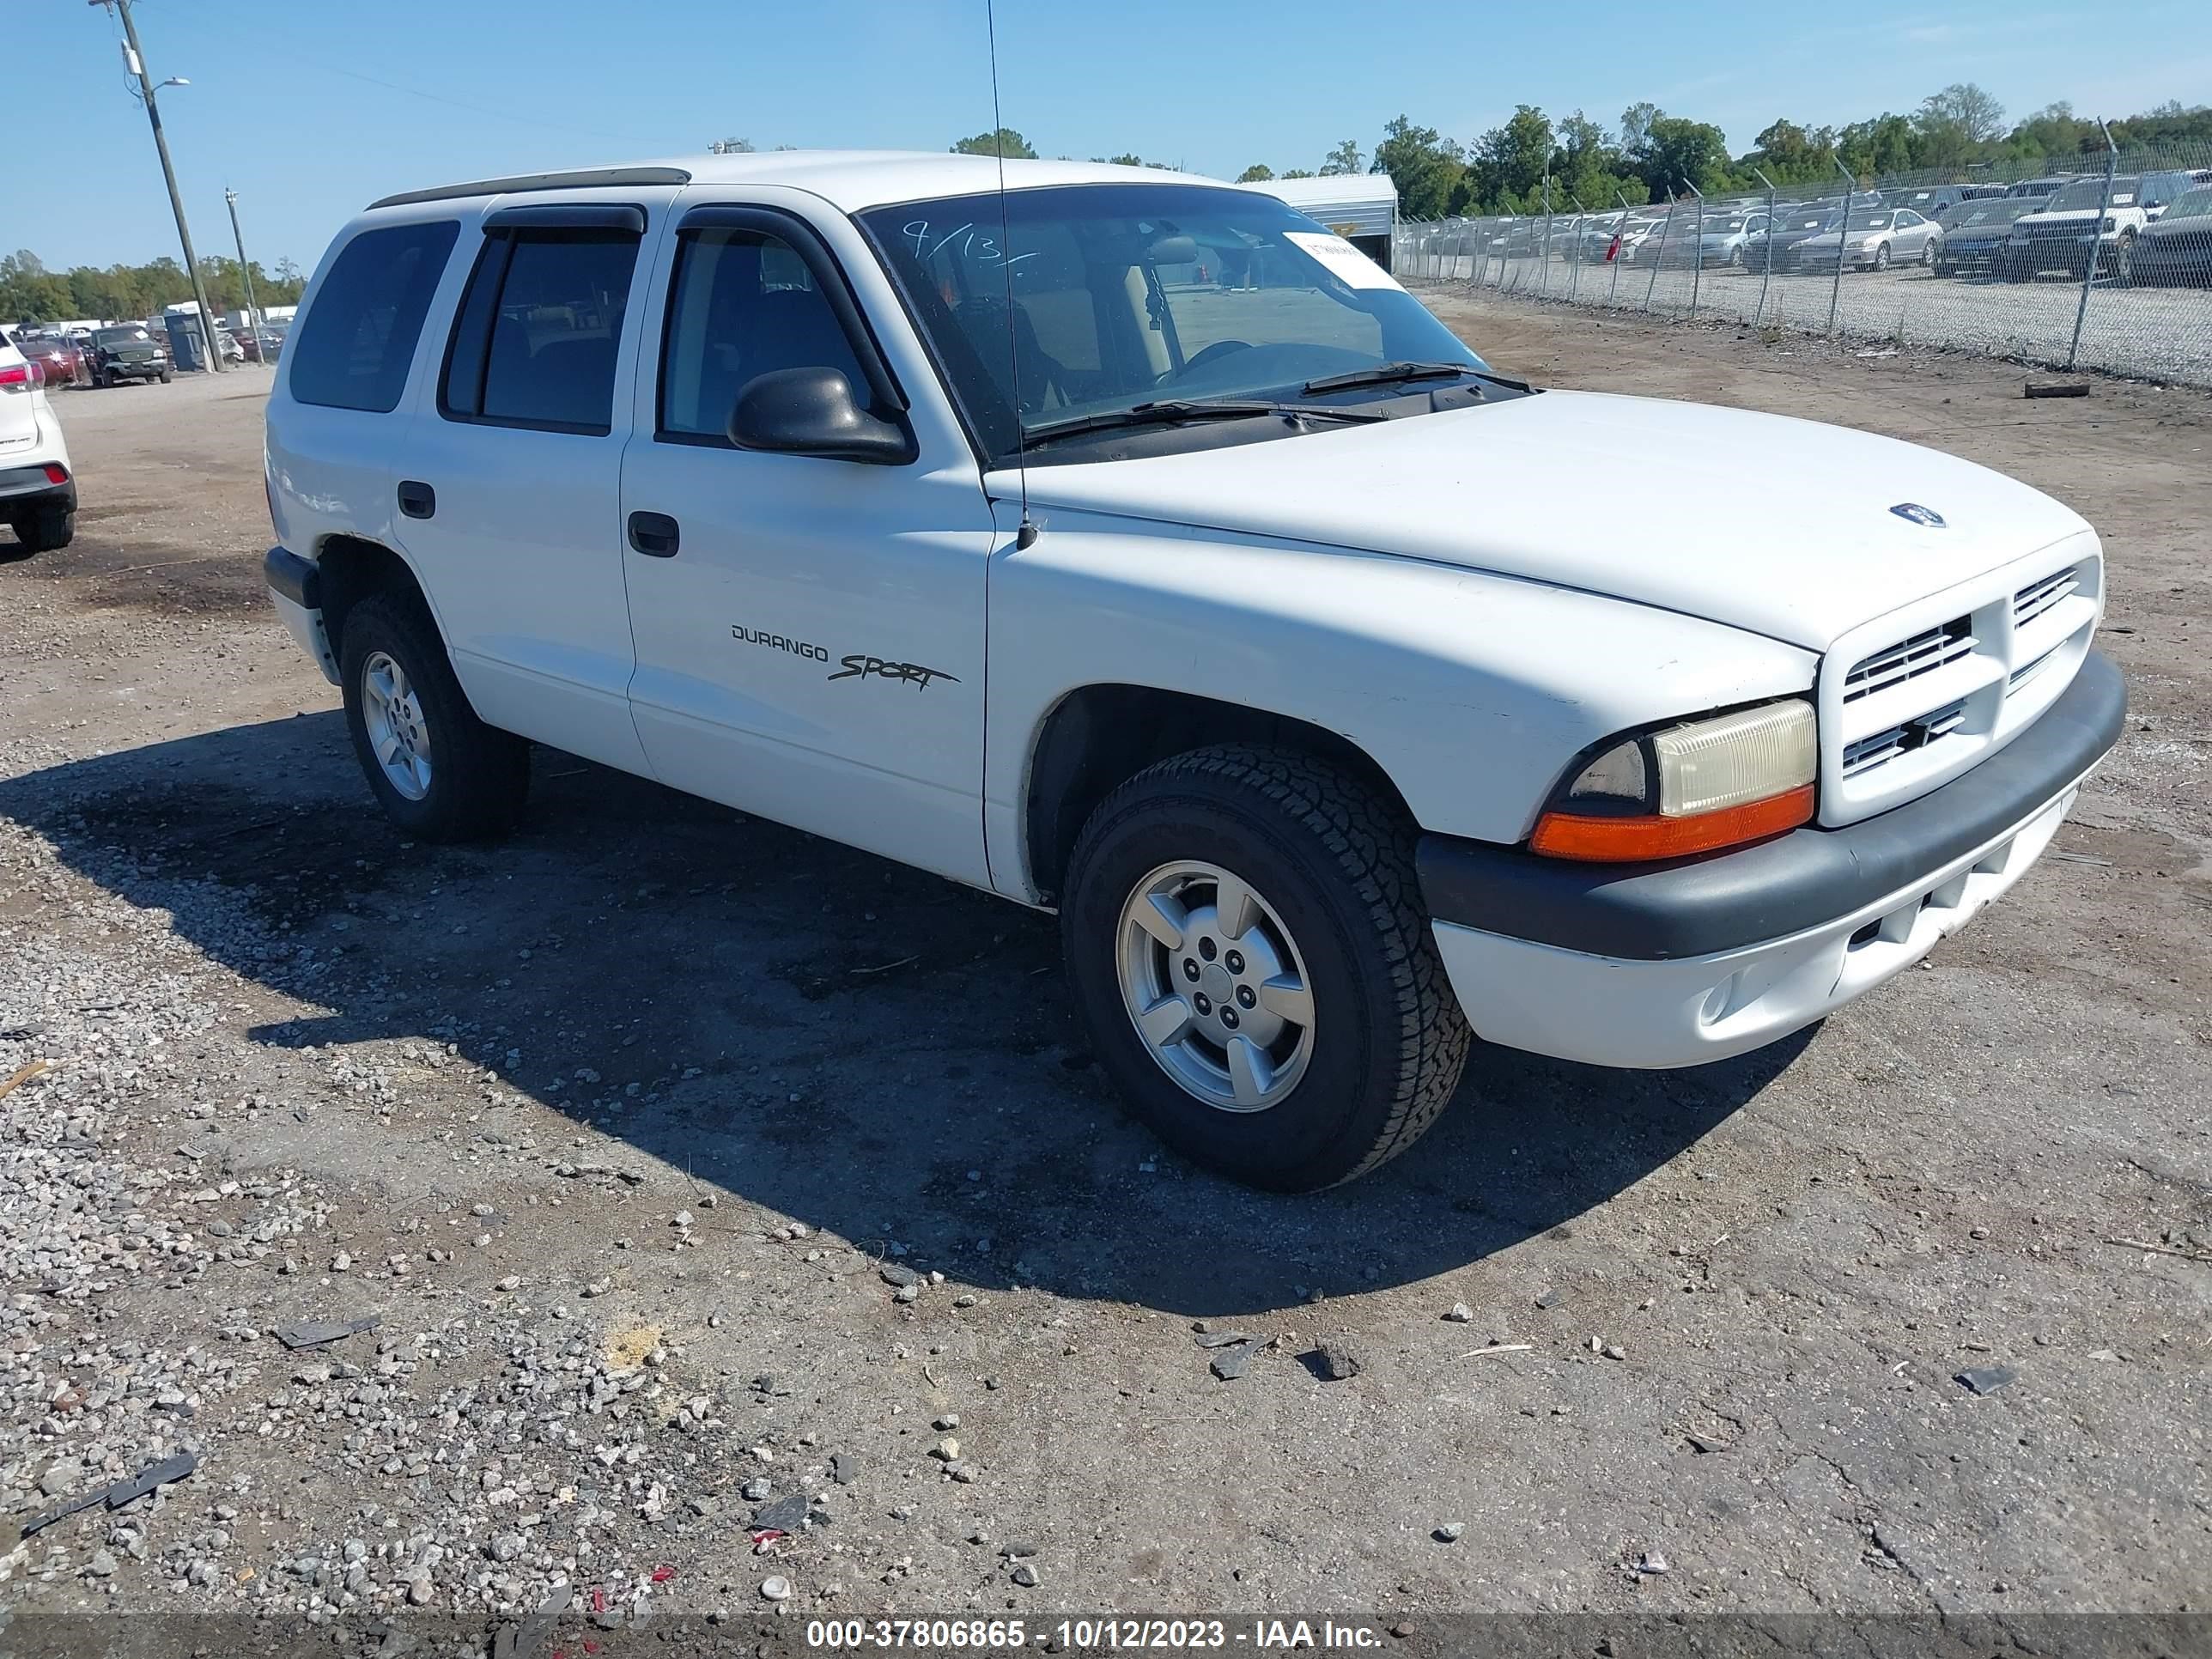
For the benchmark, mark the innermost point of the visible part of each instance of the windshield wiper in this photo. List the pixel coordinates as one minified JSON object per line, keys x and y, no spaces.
{"x":1397,"y":374}
{"x":1168,"y":410}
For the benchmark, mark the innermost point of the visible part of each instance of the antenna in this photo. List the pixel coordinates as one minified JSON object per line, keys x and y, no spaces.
{"x":1027,"y":534}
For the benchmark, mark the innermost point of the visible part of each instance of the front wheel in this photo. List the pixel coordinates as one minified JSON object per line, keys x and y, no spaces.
{"x":1882,"y":257}
{"x":2123,"y":260}
{"x":165,"y":377}
{"x":438,"y":771}
{"x":1246,"y":944}
{"x":1928,"y":256}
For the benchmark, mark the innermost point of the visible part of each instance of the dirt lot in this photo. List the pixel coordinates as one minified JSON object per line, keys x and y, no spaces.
{"x":619,"y":1127}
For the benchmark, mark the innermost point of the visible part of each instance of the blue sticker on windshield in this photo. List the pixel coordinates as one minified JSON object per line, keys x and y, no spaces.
{"x":1926,"y":518}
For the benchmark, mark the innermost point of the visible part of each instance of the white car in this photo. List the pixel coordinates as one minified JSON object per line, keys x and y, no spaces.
{"x":2092,"y":219}
{"x":38,"y":492}
{"x":1874,"y":239}
{"x":1234,"y":620}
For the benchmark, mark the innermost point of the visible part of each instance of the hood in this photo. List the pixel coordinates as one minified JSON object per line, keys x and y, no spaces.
{"x":2068,"y":216}
{"x":1778,"y":525}
{"x":2195,"y":224}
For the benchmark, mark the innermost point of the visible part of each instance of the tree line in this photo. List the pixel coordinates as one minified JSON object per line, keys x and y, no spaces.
{"x":1650,"y":153}
{"x":30,"y":293}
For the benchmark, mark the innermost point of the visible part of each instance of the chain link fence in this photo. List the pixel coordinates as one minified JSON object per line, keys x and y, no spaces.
{"x":2090,"y":261}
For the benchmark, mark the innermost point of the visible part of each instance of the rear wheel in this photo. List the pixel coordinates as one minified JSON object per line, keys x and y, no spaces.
{"x":1246,"y":944}
{"x":438,"y":771}
{"x":46,"y":531}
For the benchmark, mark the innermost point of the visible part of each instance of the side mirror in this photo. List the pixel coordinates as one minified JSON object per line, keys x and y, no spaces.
{"x":812,"y":412}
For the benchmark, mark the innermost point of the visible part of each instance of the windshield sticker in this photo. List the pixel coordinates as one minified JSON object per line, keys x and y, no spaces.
{"x":1340,"y":259}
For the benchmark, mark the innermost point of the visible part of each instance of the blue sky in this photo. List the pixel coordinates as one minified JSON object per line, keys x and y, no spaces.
{"x":311,"y":108}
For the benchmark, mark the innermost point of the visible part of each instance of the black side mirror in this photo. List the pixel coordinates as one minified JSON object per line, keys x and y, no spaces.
{"x":812,"y":412}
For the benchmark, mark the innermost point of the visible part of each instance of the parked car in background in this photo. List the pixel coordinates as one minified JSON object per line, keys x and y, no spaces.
{"x":1974,"y":234}
{"x":129,"y":352}
{"x":263,"y":343}
{"x":2175,"y":249}
{"x":1791,"y":228}
{"x":2092,"y":219}
{"x":38,"y":492}
{"x":60,"y":358}
{"x":1873,"y":240}
{"x":706,"y":472}
{"x":1724,"y":241}
{"x":1929,"y":200}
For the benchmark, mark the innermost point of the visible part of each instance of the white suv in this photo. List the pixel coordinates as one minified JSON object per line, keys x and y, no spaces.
{"x":1129,"y":545}
{"x":38,"y":492}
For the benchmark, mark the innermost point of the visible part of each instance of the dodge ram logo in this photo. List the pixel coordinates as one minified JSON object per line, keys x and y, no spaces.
{"x":1927,"y":517}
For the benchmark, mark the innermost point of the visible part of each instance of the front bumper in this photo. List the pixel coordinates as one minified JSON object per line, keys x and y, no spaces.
{"x":1679,"y":963}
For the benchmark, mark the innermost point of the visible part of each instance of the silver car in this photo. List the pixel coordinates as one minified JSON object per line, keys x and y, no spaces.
{"x":1874,"y":239}
{"x":1726,"y":237}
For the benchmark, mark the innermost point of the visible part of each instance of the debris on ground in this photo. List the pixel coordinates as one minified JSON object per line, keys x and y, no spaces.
{"x":118,"y":1493}
{"x":1221,"y":1339}
{"x":1334,"y":1361}
{"x":1231,"y":1362}
{"x":1449,"y":1532}
{"x":320,"y":1332}
{"x":1986,"y":1379}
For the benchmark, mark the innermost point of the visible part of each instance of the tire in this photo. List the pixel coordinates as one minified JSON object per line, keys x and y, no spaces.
{"x":2124,"y":261}
{"x":46,"y":531}
{"x":100,"y":380}
{"x":165,"y":377}
{"x":478,"y":776}
{"x":1881,"y":258}
{"x":1331,"y":870}
{"x":1927,"y":255}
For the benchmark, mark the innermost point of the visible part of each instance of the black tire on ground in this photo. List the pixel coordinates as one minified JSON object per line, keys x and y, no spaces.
{"x":46,"y":531}
{"x":479,"y":775}
{"x":1336,"y":864}
{"x":165,"y":377}
{"x":99,"y":379}
{"x":2123,"y":264}
{"x":1882,"y":257}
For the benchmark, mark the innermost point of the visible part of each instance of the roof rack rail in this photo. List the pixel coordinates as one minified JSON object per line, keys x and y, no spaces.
{"x":584,"y":178}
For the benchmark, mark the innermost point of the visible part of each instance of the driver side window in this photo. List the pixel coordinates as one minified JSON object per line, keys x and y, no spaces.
{"x":743,"y":303}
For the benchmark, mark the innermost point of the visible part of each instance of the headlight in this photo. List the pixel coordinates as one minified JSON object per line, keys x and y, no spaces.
{"x":1688,"y":788}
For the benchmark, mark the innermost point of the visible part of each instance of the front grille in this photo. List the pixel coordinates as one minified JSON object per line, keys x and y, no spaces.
{"x":2038,"y":597}
{"x":1869,"y":752}
{"x":1924,"y":653}
{"x":1902,"y":718}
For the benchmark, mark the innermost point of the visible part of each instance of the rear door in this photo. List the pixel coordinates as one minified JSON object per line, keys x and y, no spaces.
{"x":18,"y":405}
{"x":508,"y":486}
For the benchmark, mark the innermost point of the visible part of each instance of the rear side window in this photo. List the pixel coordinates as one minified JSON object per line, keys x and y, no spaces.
{"x":354,"y":349}
{"x":540,"y":328}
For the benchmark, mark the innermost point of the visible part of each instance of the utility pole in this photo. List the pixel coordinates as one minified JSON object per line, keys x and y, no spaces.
{"x":137,"y":60}
{"x":245,"y":273}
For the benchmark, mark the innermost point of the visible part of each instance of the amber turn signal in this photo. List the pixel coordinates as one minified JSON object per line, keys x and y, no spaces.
{"x":1645,"y":837}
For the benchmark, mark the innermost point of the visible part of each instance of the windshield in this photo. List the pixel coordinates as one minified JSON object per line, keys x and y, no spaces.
{"x":2088,"y":192}
{"x":1125,"y":294}
{"x":2195,"y":201}
{"x":1870,"y":221}
{"x":1995,"y":213}
{"x":108,"y":337}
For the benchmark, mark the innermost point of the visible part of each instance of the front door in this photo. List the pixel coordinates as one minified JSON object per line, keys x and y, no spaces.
{"x":809,"y":631}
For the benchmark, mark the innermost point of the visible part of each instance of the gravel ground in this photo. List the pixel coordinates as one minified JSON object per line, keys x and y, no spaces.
{"x":2150,"y":333}
{"x":694,"y":1201}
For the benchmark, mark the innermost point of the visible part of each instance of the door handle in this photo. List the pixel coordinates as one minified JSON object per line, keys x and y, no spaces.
{"x":416,"y":501}
{"x":654,"y":534}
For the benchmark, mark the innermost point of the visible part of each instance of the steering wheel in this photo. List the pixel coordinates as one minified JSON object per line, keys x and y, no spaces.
{"x":1212,"y":354}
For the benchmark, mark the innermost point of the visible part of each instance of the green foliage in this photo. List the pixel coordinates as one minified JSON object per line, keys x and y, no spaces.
{"x":1258,"y":173}
{"x":1004,"y":142}
{"x":1344,"y":158}
{"x":30,"y":293}
{"x":1425,"y":167}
